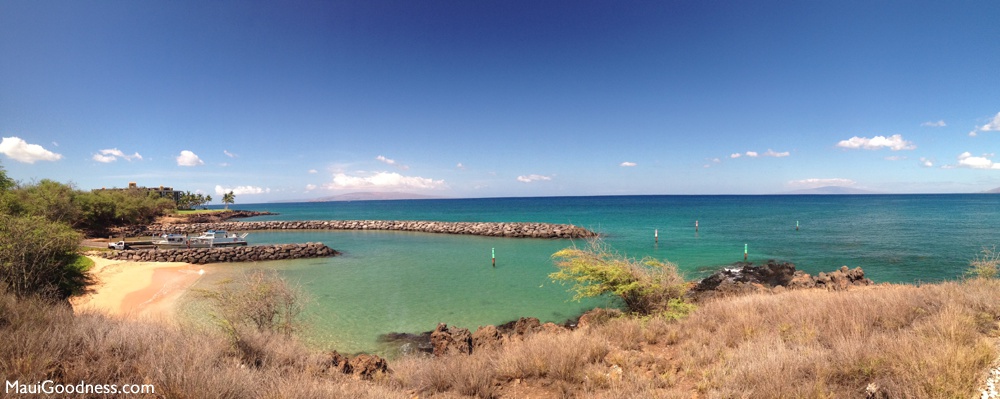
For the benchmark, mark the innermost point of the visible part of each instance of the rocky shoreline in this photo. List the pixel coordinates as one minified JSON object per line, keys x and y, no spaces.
{"x":741,"y":278}
{"x":489,"y":229}
{"x":225,"y":255}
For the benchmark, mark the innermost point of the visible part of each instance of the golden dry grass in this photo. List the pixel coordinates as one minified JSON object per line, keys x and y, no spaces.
{"x":931,"y":341}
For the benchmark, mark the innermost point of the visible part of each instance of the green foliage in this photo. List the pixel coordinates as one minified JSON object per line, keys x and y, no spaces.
{"x":228,"y":198}
{"x":189,"y":200}
{"x":646,"y":287}
{"x":6,"y":183}
{"x":985,"y":265}
{"x":35,"y":254}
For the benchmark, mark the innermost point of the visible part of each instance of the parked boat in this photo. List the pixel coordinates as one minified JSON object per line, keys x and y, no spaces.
{"x":208,"y":239}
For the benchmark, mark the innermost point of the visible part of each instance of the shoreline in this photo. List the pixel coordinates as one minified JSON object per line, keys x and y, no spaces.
{"x":137,"y":290}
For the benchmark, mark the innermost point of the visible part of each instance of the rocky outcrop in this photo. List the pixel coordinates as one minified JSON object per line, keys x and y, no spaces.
{"x":216,"y":217}
{"x":228,"y":254}
{"x":514,"y":230}
{"x":454,"y":340}
{"x":362,"y":366}
{"x":745,"y":278}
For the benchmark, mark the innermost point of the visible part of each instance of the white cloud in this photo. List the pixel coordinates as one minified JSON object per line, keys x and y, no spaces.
{"x":390,"y":180}
{"x":313,"y":171}
{"x":895,"y":158}
{"x":966,"y":160}
{"x":229,"y":154}
{"x":533,"y":178}
{"x":188,"y":158}
{"x":822,"y":182}
{"x":241,"y":190}
{"x":19,"y":150}
{"x":112,"y":154}
{"x":927,"y":163}
{"x":939,"y":123}
{"x":389,"y":161}
{"x":310,"y":187}
{"x":755,"y":154}
{"x":894,"y":143}
{"x":627,"y":164}
{"x":460,"y":166}
{"x":993,"y":126}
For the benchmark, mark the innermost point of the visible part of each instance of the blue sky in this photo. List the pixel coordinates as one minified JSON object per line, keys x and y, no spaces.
{"x":299,"y":100}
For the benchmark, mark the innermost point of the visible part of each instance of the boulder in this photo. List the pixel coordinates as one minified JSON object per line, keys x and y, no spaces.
{"x":452,"y":340}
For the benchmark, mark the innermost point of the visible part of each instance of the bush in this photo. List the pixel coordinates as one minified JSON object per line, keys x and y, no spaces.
{"x":985,"y":264}
{"x":35,"y":254}
{"x":646,"y":287}
{"x":260,"y":300}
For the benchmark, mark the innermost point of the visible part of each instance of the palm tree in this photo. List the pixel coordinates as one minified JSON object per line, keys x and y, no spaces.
{"x":228,"y":198}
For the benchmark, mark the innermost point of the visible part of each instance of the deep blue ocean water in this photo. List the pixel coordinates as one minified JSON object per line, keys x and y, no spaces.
{"x":408,"y":282}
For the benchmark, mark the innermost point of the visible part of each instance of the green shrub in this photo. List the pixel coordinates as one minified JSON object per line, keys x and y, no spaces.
{"x":646,"y":287}
{"x":35,"y":256}
{"x":985,"y":265}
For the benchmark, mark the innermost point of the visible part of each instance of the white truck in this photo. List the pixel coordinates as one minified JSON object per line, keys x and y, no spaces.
{"x":120,"y":245}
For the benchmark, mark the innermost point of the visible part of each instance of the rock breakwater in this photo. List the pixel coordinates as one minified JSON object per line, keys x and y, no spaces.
{"x":514,"y":230}
{"x":223,"y":255}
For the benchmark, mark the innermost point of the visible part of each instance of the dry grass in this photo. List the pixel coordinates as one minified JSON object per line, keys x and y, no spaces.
{"x":932,"y":341}
{"x":44,"y":341}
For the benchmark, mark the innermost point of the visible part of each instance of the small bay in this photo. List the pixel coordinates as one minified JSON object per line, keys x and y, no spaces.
{"x":408,"y":282}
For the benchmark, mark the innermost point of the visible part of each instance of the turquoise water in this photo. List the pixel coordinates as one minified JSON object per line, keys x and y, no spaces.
{"x":408,"y":282}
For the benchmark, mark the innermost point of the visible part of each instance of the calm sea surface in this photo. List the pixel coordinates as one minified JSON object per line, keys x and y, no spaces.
{"x":408,"y":282}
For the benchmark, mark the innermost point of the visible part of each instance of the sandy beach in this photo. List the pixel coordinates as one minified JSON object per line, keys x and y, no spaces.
{"x":147,"y":290}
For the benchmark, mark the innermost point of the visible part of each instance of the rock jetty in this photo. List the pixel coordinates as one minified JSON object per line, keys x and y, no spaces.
{"x":228,"y":254}
{"x":491,"y":229}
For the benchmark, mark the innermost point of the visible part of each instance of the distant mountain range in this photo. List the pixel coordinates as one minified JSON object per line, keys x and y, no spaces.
{"x":828,"y":190}
{"x":371,"y":196}
{"x":993,"y":191}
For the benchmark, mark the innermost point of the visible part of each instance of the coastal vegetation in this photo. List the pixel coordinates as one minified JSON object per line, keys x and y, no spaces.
{"x":646,"y":287}
{"x":927,"y":341}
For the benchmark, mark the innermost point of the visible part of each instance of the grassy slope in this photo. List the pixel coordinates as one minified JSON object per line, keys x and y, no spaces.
{"x":929,"y":341}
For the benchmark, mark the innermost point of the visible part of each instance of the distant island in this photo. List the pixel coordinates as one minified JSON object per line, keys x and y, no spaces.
{"x":369,"y":196}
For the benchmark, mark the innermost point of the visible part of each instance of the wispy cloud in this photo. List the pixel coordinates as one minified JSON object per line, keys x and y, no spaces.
{"x":894,"y":143}
{"x":533,"y":178}
{"x":113,"y":154}
{"x":992,"y":126}
{"x":939,"y":123}
{"x":815,"y":182}
{"x":383,"y":180}
{"x":229,"y":154}
{"x":460,"y":166}
{"x":389,"y":161}
{"x":755,"y":154}
{"x":188,"y":158}
{"x":310,"y":187}
{"x":926,"y":162}
{"x":313,"y":171}
{"x":241,"y":190}
{"x":895,"y":158}
{"x":19,"y":150}
{"x":627,"y":164}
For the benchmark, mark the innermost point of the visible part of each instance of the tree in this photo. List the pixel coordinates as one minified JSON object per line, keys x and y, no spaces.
{"x":229,"y":198}
{"x":646,"y":287}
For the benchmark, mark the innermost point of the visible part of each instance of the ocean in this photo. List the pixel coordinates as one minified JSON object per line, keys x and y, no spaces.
{"x":408,"y":282}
